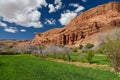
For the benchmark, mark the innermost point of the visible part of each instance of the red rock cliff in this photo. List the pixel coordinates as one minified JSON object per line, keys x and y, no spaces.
{"x":82,"y":28}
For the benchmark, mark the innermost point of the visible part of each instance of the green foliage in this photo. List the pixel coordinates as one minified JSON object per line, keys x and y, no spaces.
{"x":30,"y":68}
{"x":112,"y":50}
{"x":80,"y":46}
{"x":99,"y":51}
{"x":89,"y":45}
{"x":90,"y":55}
{"x":74,"y":49}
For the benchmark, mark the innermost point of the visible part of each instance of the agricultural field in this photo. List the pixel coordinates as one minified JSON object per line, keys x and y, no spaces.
{"x":24,"y":67}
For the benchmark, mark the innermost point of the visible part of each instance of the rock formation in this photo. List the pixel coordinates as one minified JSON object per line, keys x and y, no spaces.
{"x":83,"y":28}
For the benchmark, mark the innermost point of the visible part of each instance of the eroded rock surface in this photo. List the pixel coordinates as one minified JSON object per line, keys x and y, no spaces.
{"x":83,"y":27}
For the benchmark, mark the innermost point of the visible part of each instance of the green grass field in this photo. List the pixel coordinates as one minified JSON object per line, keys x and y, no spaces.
{"x":30,"y":68}
{"x":98,"y":59}
{"x":75,"y":57}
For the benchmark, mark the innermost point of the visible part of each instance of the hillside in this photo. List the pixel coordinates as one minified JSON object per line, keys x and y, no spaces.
{"x":83,"y":28}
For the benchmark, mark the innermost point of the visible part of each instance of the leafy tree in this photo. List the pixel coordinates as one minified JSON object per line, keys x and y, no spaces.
{"x":89,"y":56}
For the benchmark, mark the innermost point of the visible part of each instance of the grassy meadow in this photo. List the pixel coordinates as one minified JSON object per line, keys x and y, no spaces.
{"x":23,"y":67}
{"x":77,"y":57}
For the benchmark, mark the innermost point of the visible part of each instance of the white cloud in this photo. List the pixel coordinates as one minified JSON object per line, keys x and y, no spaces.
{"x":8,"y":29}
{"x":3,"y":24}
{"x":23,"y":30}
{"x":22,"y":12}
{"x":57,"y":1}
{"x":58,"y":5}
{"x":74,"y":5}
{"x":11,"y":29}
{"x":50,"y":21}
{"x":84,"y":0}
{"x":67,"y":17}
{"x":35,"y":24}
{"x":52,"y":8}
{"x":78,"y":7}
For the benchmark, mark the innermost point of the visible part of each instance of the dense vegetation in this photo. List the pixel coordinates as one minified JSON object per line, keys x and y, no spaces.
{"x":31,"y":68}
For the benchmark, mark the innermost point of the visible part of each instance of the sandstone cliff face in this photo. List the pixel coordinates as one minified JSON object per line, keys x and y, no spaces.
{"x":83,"y":27}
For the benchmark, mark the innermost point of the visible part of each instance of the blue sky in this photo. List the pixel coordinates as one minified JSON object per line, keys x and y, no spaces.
{"x":22,"y":19}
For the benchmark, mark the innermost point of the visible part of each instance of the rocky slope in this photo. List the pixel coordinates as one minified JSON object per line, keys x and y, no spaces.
{"x":83,"y":28}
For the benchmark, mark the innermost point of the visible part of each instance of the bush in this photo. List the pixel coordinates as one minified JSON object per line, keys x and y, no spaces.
{"x":112,"y":50}
{"x":56,"y":51}
{"x":74,"y":49}
{"x":89,"y":56}
{"x":111,"y":47}
{"x":89,"y":45}
{"x":80,"y":46}
{"x":99,"y":51}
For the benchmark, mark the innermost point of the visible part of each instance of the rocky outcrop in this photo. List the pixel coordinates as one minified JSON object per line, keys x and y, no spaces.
{"x":83,"y":27}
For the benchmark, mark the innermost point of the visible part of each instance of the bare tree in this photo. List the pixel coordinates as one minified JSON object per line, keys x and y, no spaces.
{"x":30,"y":48}
{"x":67,"y":51}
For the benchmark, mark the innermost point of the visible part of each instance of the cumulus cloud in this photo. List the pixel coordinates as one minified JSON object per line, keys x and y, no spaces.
{"x":52,"y":8}
{"x":68,"y":15}
{"x":78,"y":7}
{"x":23,"y":30}
{"x":22,"y":12}
{"x":11,"y":29}
{"x":56,"y":6}
{"x":3,"y":24}
{"x":50,"y":21}
{"x":8,"y":29}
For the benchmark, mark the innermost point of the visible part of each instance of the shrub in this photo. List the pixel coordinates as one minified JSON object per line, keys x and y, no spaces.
{"x":89,"y":45}
{"x":99,"y":51}
{"x":89,"y":56}
{"x":80,"y":46}
{"x":111,"y":47}
{"x":67,"y":51}
{"x":112,"y":50}
{"x":74,"y":49}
